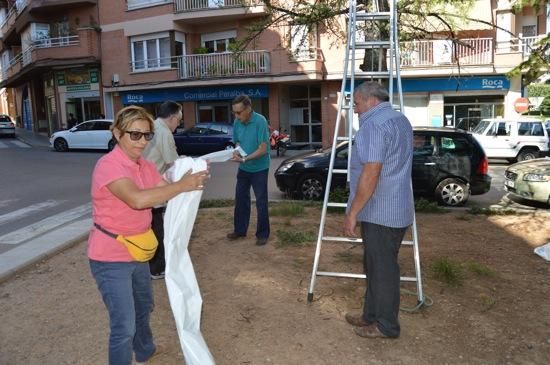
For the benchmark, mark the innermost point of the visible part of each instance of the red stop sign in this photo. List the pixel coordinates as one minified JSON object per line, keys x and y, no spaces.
{"x":521,"y":105}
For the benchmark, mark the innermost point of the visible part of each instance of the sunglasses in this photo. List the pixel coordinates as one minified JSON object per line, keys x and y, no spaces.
{"x":136,"y":136}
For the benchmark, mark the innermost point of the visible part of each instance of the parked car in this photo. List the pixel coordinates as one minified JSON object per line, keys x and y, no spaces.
{"x":448,"y":164}
{"x":92,"y":134}
{"x":204,"y":138}
{"x":529,"y":180}
{"x":7,"y":127}
{"x":513,"y":139}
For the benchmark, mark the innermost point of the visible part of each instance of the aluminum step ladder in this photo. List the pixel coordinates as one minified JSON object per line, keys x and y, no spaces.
{"x":360,"y":21}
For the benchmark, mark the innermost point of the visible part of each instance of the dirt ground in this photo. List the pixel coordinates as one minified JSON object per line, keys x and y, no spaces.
{"x":255,"y":309}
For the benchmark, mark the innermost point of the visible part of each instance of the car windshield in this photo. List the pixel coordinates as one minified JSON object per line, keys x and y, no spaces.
{"x":481,"y":126}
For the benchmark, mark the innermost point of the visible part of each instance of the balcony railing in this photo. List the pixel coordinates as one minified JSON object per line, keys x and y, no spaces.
{"x":212,"y":65}
{"x":227,"y":64}
{"x":525,"y":45}
{"x":477,"y":51}
{"x":48,"y":43}
{"x":190,"y":5}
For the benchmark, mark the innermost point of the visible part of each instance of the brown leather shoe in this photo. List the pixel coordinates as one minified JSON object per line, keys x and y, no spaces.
{"x":371,"y":331}
{"x":234,"y":236}
{"x":356,"y":319}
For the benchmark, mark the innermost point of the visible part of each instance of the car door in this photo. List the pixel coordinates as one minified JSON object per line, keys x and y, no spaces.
{"x":81,"y":135}
{"x":498,"y":140}
{"x":532,"y":134}
{"x":194,"y":140}
{"x":454,"y":158}
{"x":425,"y":168}
{"x":340,"y":163}
{"x":101,"y":134}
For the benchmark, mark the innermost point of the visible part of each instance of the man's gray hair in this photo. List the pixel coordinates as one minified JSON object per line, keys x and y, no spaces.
{"x":374,"y":89}
{"x":242,"y":99}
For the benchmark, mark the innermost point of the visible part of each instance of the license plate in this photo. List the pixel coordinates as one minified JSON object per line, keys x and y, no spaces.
{"x":510,"y":183}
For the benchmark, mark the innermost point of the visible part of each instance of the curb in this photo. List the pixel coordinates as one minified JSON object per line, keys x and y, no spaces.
{"x":42,"y":247}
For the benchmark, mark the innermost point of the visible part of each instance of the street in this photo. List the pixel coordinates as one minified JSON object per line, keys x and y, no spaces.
{"x":44,"y":190}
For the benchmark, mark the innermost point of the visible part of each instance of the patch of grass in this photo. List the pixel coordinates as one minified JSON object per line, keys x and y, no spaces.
{"x":487,"y":302}
{"x":339,"y":195}
{"x":464,"y":217}
{"x":425,"y":206}
{"x":288,"y":238}
{"x":480,"y":269}
{"x":489,"y":211}
{"x":287,"y":210}
{"x":448,"y":271}
{"x":216,"y":203}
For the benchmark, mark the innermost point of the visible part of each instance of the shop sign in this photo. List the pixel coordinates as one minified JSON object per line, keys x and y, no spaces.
{"x":73,"y":88}
{"x":456,"y":84}
{"x":60,"y":77}
{"x":94,"y":76}
{"x":194,"y":94}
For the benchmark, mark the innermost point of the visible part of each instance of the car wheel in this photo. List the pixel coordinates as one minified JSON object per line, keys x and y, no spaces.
{"x":60,"y":145}
{"x":311,"y":187}
{"x":111,"y":144}
{"x":452,"y":192}
{"x":528,"y":154}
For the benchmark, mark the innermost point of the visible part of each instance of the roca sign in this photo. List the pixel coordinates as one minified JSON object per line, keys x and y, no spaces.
{"x":521,"y":105}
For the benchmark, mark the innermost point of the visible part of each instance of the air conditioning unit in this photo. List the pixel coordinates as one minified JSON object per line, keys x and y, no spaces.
{"x":115,"y":79}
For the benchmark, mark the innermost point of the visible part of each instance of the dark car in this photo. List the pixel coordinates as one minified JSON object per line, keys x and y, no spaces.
{"x":204,"y":138}
{"x":448,"y":164}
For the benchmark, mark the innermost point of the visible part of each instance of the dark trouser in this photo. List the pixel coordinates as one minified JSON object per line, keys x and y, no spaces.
{"x":157,"y":264}
{"x":381,"y":265}
{"x":258,"y":182}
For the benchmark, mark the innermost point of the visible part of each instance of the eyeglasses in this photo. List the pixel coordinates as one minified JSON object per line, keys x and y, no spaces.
{"x":136,"y":136}
{"x":239,"y":112}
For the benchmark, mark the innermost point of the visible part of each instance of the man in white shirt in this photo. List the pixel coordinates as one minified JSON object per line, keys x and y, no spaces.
{"x":161,"y":150}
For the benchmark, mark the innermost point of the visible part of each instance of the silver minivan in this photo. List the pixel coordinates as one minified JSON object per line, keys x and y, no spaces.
{"x":512,"y":139}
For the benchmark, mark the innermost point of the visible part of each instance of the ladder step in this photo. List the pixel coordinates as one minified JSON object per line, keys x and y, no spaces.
{"x":337,"y":205}
{"x":340,"y":171}
{"x":407,"y":243}
{"x":372,"y":44}
{"x":372,"y":74}
{"x":342,"y":239}
{"x":383,"y":15}
{"x":356,"y":276}
{"x":342,"y":138}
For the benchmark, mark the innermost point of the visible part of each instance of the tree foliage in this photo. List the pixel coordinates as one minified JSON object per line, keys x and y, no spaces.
{"x":417,"y":19}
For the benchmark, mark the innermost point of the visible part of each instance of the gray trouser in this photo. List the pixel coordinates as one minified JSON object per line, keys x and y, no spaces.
{"x":381,"y":265}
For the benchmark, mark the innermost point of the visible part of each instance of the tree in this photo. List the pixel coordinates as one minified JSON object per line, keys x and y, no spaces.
{"x":417,"y":19}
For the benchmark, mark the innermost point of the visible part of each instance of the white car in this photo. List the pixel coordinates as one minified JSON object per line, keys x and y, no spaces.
{"x":512,"y":139}
{"x":92,"y":134}
{"x":7,"y":128}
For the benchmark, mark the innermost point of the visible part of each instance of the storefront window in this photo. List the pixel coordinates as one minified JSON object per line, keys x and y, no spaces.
{"x":305,"y":114}
{"x":465,"y":113}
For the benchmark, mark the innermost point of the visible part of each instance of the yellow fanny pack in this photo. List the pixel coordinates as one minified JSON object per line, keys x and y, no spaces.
{"x":141,"y":246}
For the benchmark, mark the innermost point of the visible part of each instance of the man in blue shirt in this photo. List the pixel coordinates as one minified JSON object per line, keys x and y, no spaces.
{"x":381,"y":199}
{"x":250,"y":132}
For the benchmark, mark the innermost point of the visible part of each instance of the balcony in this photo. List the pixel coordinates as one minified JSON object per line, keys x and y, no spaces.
{"x":197,"y":11}
{"x":45,"y":53}
{"x":227,"y":64}
{"x":430,"y":53}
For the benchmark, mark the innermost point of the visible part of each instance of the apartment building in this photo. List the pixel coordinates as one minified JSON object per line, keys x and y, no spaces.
{"x":50,"y":61}
{"x":94,"y":57}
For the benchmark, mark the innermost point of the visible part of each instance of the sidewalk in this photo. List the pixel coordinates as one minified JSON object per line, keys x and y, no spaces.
{"x":32,"y":138}
{"x":31,"y":251}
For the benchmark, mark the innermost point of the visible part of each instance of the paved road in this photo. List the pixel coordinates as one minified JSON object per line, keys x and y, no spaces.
{"x":45,"y":199}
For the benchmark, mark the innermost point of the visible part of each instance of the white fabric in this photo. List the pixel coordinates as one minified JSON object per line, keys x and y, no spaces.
{"x":544,"y":251}
{"x":181,"y":283}
{"x":223,"y":155}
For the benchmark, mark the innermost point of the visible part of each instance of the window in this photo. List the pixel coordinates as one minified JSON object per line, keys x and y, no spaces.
{"x":300,"y":43}
{"x":455,"y":145}
{"x":218,"y":42}
{"x":101,"y":126}
{"x":423,"y":145}
{"x":530,"y":129}
{"x":151,"y":52}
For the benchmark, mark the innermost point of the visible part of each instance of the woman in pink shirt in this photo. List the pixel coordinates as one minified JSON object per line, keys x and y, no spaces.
{"x":124,"y":189}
